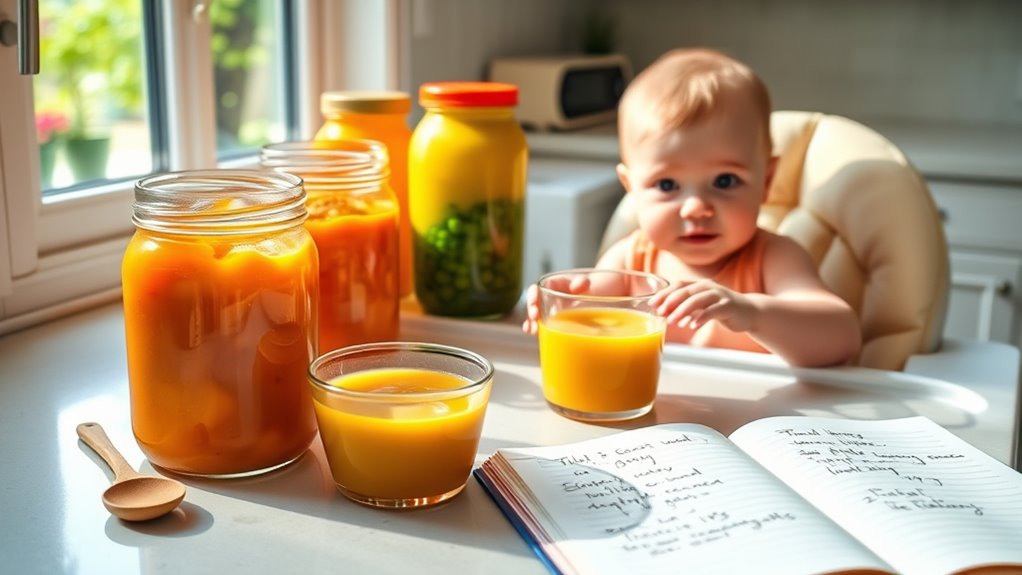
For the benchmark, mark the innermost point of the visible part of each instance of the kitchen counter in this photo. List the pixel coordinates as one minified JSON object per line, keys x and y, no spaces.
{"x":954,"y":151}
{"x":293,"y":520}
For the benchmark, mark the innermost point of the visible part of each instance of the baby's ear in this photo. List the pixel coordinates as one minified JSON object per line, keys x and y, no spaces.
{"x":622,"y":174}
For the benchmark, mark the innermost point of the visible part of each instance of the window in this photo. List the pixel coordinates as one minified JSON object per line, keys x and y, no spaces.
{"x":172,"y":85}
{"x":249,"y":45}
{"x":90,"y":100}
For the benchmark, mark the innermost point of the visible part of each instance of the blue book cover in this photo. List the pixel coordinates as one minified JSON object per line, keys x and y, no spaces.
{"x":516,"y":522}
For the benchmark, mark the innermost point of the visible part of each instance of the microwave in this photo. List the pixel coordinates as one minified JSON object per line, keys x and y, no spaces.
{"x":565,"y":92}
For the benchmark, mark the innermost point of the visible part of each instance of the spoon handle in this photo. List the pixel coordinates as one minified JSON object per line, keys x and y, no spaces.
{"x":93,"y":435}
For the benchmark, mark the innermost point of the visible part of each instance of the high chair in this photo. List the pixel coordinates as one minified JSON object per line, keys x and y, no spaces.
{"x":855,"y":203}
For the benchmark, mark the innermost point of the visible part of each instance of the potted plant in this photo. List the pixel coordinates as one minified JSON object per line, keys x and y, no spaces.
{"x":91,"y":51}
{"x":50,"y":129}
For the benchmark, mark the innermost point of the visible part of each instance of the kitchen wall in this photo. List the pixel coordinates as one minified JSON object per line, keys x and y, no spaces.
{"x":947,"y":61}
{"x":940,"y":60}
{"x":456,"y":39}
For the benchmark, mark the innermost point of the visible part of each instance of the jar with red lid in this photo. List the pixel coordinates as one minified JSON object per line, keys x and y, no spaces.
{"x":467,"y":164}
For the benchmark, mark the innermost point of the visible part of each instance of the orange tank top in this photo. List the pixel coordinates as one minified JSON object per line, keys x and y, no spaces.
{"x":743,"y":274}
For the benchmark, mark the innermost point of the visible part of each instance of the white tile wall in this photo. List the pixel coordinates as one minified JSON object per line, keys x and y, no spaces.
{"x":929,"y":60}
{"x":456,"y":39}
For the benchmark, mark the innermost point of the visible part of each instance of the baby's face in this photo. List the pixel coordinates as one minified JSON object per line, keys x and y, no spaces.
{"x":698,"y":189}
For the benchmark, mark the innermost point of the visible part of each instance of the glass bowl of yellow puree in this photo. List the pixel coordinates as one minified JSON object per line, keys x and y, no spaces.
{"x":400,"y":421}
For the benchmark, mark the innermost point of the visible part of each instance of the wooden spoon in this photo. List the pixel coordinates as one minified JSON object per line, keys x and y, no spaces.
{"x":133,"y":496}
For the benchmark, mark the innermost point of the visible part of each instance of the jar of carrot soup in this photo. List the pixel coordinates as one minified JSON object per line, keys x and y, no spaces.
{"x":220,"y":285}
{"x":466,"y":174}
{"x":353,"y":217}
{"x":380,"y":116}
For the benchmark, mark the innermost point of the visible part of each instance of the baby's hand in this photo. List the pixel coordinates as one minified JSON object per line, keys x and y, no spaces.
{"x":578,"y":284}
{"x":692,"y":304}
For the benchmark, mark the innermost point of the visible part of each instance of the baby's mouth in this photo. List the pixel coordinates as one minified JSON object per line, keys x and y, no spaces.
{"x":698,"y":237}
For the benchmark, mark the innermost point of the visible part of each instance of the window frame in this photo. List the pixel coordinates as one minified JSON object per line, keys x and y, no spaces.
{"x":60,"y":253}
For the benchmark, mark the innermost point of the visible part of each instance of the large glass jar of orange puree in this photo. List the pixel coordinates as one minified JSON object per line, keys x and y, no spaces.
{"x":220,"y":310}
{"x":353,"y":216}
{"x":466,"y":175}
{"x":380,"y":116}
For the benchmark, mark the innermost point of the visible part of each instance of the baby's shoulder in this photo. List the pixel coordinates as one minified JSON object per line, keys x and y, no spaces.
{"x":782,"y":254}
{"x":617,"y":255}
{"x":770,"y":242}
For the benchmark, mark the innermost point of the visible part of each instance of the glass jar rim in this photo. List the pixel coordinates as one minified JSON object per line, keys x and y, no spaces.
{"x":348,"y":163}
{"x":657,"y":283}
{"x":369,"y":349}
{"x":219,"y":202}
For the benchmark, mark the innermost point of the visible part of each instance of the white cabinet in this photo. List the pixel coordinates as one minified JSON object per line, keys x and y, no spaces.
{"x":983,"y":302}
{"x":567,"y":206}
{"x":983,"y":222}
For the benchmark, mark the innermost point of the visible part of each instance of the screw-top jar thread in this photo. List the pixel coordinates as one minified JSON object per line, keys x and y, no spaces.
{"x":219,"y":202}
{"x":352,"y":164}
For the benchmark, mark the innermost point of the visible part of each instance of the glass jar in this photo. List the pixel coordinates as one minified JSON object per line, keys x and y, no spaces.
{"x":380,"y":116}
{"x":353,"y":217}
{"x":467,"y":168}
{"x":220,"y":296}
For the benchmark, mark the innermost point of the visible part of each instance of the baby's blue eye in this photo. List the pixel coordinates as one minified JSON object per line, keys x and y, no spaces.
{"x":666,"y":185}
{"x":725,"y":181}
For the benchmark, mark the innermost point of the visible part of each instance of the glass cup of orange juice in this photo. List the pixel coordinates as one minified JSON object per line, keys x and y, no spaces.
{"x":600,"y":342}
{"x":400,"y":421}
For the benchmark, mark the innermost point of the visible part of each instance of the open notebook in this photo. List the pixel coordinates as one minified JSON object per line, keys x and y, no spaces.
{"x":785,"y":495}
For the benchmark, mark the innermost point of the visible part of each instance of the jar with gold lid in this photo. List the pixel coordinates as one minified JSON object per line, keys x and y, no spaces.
{"x":220,"y":287}
{"x":381,"y":116}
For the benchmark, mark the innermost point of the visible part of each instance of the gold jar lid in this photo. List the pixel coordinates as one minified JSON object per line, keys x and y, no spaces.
{"x":365,"y":102}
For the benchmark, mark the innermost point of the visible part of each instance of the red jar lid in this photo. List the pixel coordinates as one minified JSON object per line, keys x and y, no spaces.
{"x":468,"y":94}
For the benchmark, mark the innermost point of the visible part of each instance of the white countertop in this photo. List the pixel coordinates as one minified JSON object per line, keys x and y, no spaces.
{"x":59,"y":374}
{"x":965,"y":151}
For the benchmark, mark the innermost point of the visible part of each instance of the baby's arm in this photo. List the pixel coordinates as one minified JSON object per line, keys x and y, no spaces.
{"x":614,"y":258}
{"x":798,"y":318}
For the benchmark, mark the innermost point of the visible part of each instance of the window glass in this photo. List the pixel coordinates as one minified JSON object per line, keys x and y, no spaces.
{"x":247,"y":46}
{"x":90,"y":100}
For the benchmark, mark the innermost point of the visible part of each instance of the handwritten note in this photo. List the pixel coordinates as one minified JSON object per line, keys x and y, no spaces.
{"x":670,"y":496}
{"x":922,"y":499}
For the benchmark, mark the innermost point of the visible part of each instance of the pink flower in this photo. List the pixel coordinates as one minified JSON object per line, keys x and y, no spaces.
{"x":48,"y":124}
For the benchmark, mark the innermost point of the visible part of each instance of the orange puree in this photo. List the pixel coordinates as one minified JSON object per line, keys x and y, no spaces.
{"x":400,"y":449}
{"x":358,"y":254}
{"x":220,"y":331}
{"x":600,"y":360}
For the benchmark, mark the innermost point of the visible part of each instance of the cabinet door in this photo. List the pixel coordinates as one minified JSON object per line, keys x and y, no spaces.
{"x":984,"y":297}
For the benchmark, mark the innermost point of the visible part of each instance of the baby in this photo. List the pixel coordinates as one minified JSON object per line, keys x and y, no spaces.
{"x":694,"y":130}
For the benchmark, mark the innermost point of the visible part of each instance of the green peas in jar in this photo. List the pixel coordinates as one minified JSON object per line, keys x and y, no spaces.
{"x":467,"y":172}
{"x":469,"y":264}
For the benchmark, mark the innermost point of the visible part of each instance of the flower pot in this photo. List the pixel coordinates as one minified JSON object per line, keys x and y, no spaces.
{"x":87,"y":157}
{"x":47,"y":159}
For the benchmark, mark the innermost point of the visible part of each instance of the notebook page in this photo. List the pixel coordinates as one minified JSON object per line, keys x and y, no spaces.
{"x":669,"y":499}
{"x":921,"y":498}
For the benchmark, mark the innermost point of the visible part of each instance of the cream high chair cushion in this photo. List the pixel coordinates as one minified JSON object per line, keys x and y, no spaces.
{"x":864,"y":214}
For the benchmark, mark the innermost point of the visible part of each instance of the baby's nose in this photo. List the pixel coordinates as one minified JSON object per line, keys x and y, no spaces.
{"x":694,"y":206}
